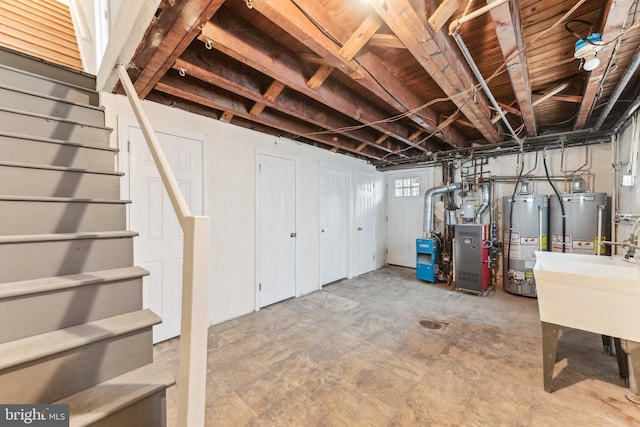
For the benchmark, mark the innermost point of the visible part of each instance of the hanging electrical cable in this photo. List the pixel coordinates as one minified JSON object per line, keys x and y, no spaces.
{"x":555,"y":190}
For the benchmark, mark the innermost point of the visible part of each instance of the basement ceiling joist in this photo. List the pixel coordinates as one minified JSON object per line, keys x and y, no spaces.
{"x":384,"y":80}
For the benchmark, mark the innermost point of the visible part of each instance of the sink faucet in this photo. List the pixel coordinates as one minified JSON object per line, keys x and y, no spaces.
{"x":631,"y":244}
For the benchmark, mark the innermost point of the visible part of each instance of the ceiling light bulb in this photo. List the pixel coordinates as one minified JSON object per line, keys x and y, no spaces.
{"x":587,"y":50}
{"x":590,"y":62}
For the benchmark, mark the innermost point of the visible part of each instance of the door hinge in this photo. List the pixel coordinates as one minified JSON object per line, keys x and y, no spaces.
{"x":374,"y":256}
{"x":259,"y":286}
{"x":259,"y":167}
{"x":128,"y":146}
{"x":386,"y":251}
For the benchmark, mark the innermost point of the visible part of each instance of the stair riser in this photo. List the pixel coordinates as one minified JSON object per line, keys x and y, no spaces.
{"x":62,"y":155}
{"x":14,"y":122}
{"x":40,"y":313}
{"x":149,"y":412}
{"x":35,"y":260}
{"x":36,"y":66}
{"x":35,"y":104}
{"x":31,"y":83}
{"x":20,"y":217}
{"x":16,"y":181}
{"x":54,"y":377}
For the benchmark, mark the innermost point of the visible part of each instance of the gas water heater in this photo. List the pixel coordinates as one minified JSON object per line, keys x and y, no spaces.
{"x":525,"y":228}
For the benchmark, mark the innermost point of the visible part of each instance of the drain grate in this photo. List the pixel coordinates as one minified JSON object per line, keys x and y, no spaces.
{"x":433,"y":324}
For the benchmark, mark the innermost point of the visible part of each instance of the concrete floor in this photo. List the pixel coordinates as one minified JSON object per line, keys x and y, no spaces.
{"x":355,"y":354}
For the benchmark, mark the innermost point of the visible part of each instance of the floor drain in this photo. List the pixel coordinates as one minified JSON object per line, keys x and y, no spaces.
{"x":432,"y":324}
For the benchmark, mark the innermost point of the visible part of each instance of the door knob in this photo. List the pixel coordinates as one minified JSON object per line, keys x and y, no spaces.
{"x":322,"y":231}
{"x":359,"y":228}
{"x":294,"y":234}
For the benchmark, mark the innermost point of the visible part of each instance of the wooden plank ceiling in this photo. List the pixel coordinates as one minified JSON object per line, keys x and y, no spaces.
{"x":41,"y":28}
{"x":384,"y":80}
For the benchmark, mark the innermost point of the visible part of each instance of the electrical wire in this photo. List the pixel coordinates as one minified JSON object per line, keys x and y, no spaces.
{"x":555,"y":190}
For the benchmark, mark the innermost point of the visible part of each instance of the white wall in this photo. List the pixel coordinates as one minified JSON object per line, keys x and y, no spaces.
{"x":230,"y":201}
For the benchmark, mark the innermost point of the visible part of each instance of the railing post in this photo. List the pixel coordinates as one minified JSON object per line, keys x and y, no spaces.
{"x":192,"y":374}
{"x":192,"y":370}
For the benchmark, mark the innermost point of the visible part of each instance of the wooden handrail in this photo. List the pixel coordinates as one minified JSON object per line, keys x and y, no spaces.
{"x":192,"y":372}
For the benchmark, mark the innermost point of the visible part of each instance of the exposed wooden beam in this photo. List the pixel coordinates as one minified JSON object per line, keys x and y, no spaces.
{"x":387,"y":41}
{"x":576,"y":99}
{"x":510,"y":109}
{"x":509,"y":31}
{"x":440,"y":58}
{"x":442,"y":14}
{"x":184,"y":89}
{"x":275,"y":88}
{"x":552,"y":92}
{"x":616,"y":12}
{"x":365,"y":31}
{"x":229,"y":36}
{"x":319,"y":77}
{"x":373,"y":76}
{"x":236,"y":79}
{"x":226,"y":116}
{"x":193,"y":15}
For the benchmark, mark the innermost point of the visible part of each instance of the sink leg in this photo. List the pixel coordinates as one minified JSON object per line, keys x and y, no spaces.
{"x":632,"y":348}
{"x":550,"y":334}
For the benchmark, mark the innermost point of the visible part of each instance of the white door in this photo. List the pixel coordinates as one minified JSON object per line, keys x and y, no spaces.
{"x":364,"y":223}
{"x":333,"y":225}
{"x":159,"y":246}
{"x":276,"y":229}
{"x":405,"y":206}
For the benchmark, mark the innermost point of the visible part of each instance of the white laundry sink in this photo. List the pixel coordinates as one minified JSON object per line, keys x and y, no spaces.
{"x":599,"y":294}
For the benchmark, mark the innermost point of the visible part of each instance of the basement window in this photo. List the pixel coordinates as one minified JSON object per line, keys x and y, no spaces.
{"x":407,"y":187}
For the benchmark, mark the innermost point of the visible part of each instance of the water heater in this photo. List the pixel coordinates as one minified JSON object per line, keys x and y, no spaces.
{"x":525,"y":227}
{"x":583,"y":212}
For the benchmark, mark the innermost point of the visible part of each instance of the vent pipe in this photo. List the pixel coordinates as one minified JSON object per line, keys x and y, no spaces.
{"x":427,"y":220}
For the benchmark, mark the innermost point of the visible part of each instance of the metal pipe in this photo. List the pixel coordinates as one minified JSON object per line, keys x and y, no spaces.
{"x":600,"y":209}
{"x":632,"y":109}
{"x":467,"y":55}
{"x":620,"y":87}
{"x":473,"y":15}
{"x":482,"y":210}
{"x":427,"y":220}
{"x":540,"y":228}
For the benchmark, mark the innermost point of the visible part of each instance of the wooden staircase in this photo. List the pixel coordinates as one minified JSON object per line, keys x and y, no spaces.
{"x":72,"y":327}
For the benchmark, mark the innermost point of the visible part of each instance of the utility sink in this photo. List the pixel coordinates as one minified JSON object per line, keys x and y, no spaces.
{"x":598,"y":294}
{"x":594,"y":293}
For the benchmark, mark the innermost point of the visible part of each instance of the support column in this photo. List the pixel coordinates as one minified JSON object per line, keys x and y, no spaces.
{"x":550,"y":333}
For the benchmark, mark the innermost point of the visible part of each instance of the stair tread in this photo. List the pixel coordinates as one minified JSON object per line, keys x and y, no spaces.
{"x":24,"y":238}
{"x":32,"y":348}
{"x":58,"y":168}
{"x":61,"y":199}
{"x":55,"y":141}
{"x":98,"y":402}
{"x":53,"y":98}
{"x":50,"y":284}
{"x":53,"y":118}
{"x":53,"y":80}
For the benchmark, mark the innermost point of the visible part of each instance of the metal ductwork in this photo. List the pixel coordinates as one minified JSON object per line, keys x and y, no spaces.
{"x":486,"y":200}
{"x":427,"y":220}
